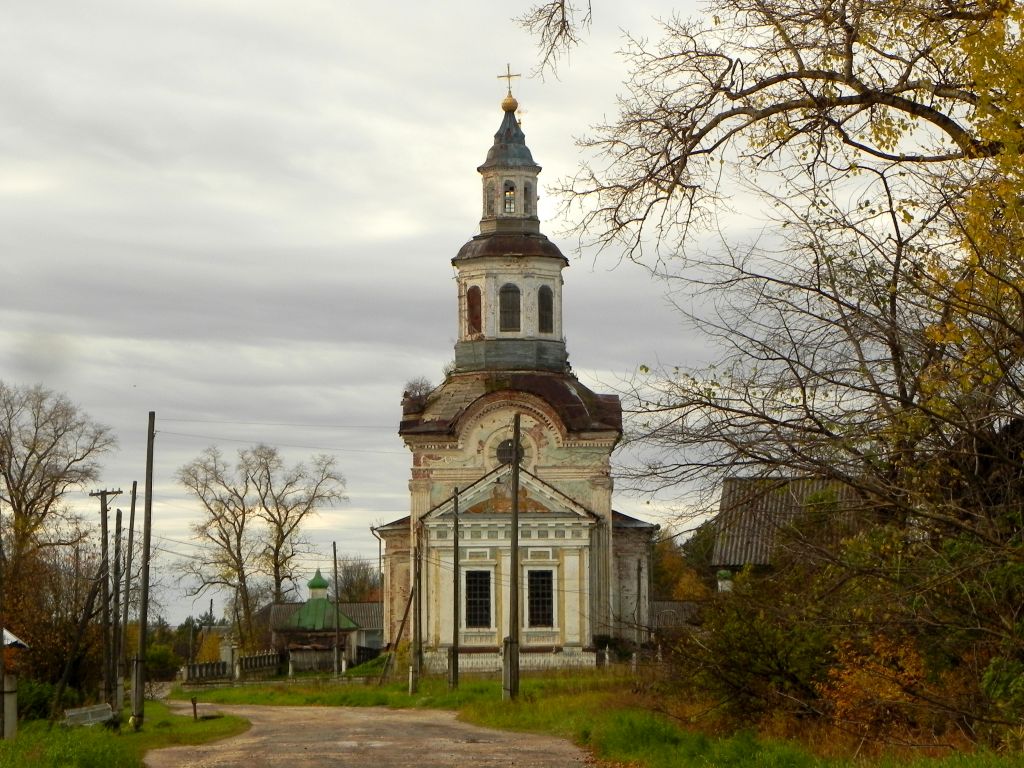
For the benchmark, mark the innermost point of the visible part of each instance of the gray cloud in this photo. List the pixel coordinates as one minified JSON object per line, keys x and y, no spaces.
{"x":242,"y":217}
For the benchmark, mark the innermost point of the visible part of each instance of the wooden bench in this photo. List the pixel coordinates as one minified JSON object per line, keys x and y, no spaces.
{"x":97,"y":713}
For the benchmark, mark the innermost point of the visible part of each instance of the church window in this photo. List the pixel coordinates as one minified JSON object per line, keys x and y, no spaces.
{"x":510,"y":197}
{"x":478,"y":598}
{"x":540,"y":598}
{"x":527,"y":198}
{"x":545,"y":310}
{"x":508,"y":308}
{"x":489,"y":199}
{"x":473,"y":313}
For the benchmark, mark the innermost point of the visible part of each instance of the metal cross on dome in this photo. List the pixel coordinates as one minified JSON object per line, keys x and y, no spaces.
{"x":507,"y":77}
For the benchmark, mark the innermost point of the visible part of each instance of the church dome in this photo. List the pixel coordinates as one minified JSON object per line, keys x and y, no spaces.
{"x":509,"y":149}
{"x":317,"y":582}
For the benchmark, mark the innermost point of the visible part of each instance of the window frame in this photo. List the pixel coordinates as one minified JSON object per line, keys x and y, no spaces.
{"x":545,"y":309}
{"x":474,"y":310}
{"x":466,"y":612}
{"x":510,"y":303}
{"x":537,"y":603}
{"x":508,"y":197}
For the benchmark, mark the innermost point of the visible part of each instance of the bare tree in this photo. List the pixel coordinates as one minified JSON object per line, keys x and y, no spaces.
{"x":230,"y":555}
{"x":253,"y":513}
{"x":358,"y":580}
{"x":48,"y":447}
{"x":557,"y":25}
{"x":285,"y":497}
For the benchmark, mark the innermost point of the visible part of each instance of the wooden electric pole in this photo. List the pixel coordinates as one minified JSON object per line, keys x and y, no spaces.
{"x":337,"y":608}
{"x":115,"y":614}
{"x":139,"y":692}
{"x":417,"y":616}
{"x":123,"y":662}
{"x":510,"y":677}
{"x":108,"y":658}
{"x":453,"y":665}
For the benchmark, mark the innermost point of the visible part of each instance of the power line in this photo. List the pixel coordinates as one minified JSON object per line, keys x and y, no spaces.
{"x":279,"y":424}
{"x":216,"y":438}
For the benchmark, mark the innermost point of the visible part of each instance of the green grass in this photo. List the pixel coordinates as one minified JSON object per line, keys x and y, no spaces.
{"x":371,"y":668}
{"x":595,"y":710}
{"x":97,"y":747}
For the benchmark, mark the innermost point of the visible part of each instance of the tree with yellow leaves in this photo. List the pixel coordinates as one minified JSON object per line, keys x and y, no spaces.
{"x":869,"y":331}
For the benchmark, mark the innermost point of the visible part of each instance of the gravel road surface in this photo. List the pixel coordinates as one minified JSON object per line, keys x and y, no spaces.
{"x":317,"y":737}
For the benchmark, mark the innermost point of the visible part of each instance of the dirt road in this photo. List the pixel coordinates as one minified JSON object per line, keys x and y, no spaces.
{"x":317,"y":737}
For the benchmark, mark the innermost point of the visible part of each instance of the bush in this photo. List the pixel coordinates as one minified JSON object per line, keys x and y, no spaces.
{"x":759,"y":650}
{"x":35,"y":697}
{"x":162,"y":663}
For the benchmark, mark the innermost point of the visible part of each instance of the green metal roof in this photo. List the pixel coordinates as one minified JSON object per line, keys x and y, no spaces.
{"x":316,"y":615}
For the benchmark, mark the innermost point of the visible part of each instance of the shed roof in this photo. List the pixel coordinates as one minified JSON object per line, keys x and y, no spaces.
{"x":365,"y":615}
{"x":754,"y":511}
{"x":672,"y":614}
{"x":13,"y":641}
{"x":622,"y":520}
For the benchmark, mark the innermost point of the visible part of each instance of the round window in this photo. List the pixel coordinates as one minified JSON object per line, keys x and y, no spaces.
{"x":505,"y":452}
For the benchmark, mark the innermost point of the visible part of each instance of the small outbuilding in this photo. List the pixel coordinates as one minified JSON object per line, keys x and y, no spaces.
{"x":309,"y":633}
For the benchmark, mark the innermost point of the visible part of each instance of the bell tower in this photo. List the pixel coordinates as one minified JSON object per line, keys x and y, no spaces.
{"x":510,"y":365}
{"x":510,"y":275}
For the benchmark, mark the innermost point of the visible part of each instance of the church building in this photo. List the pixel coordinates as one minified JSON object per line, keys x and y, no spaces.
{"x":583,"y":568}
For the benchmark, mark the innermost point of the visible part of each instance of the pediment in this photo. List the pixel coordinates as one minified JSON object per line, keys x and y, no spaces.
{"x":491,"y":496}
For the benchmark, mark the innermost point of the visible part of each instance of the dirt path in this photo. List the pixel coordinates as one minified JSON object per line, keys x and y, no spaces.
{"x":317,"y":737}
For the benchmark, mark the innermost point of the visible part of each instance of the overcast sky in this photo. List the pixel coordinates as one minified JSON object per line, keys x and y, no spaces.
{"x":241,"y":215}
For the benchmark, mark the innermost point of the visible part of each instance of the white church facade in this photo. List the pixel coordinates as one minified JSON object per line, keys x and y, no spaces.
{"x":583,"y":568}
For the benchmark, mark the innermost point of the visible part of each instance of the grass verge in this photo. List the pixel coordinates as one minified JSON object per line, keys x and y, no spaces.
{"x":597,"y":712}
{"x":98,"y":747}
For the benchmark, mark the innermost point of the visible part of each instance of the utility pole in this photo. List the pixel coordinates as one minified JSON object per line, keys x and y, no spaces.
{"x":138,"y":700}
{"x":337,"y":607}
{"x":123,"y":662}
{"x":636,"y":609}
{"x":380,"y":579}
{"x":510,"y":677}
{"x":115,"y":634}
{"x":453,"y":664}
{"x":417,"y":616}
{"x":108,"y":659}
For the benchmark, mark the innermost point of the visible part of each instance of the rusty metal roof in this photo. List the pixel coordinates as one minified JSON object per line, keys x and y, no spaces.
{"x":504,"y":244}
{"x":754,"y":511}
{"x":622,"y":520}
{"x":672,"y":614}
{"x":579,"y":409}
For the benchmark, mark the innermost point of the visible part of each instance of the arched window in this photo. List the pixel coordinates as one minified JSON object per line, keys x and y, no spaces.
{"x":473,"y":314}
{"x":545,"y":310}
{"x":489,"y":199}
{"x":510,"y":197}
{"x":528,"y":199}
{"x":508,"y":308}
